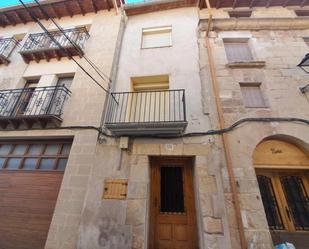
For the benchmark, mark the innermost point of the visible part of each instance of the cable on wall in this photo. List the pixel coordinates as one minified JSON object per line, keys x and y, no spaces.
{"x":92,"y":64}
{"x":60,"y":46}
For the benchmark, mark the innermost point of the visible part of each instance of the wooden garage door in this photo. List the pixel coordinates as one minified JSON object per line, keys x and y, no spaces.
{"x":30,"y":178}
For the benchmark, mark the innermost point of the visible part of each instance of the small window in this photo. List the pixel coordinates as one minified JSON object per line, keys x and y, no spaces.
{"x":252,"y":95}
{"x":237,"y":51}
{"x":306,"y":40}
{"x":65,"y":81}
{"x":302,"y":12}
{"x":157,"y":37}
{"x":238,"y":14}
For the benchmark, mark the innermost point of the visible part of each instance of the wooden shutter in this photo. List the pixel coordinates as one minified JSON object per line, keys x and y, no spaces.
{"x":115,"y":189}
{"x":237,"y":51}
{"x":157,"y":37}
{"x":252,"y":95}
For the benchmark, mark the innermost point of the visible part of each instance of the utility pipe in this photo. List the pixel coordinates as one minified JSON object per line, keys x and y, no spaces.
{"x":225,"y":139}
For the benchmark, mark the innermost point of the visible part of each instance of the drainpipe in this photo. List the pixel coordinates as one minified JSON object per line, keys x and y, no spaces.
{"x":115,"y":65}
{"x":225,"y":141}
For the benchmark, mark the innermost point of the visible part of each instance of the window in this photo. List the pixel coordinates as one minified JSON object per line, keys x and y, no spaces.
{"x":306,"y":40}
{"x":34,"y":155}
{"x":157,"y":37}
{"x":237,"y":50}
{"x":238,"y":14}
{"x":285,"y":199}
{"x":252,"y":95}
{"x":65,"y":81}
{"x":302,"y":12}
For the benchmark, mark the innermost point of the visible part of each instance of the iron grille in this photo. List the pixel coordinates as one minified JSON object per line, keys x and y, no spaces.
{"x":146,"y":107}
{"x":42,"y":41}
{"x":7,"y":45}
{"x":270,"y":203}
{"x":33,"y":101}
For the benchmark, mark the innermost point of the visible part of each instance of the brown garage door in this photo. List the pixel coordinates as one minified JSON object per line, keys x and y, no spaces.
{"x":30,"y":178}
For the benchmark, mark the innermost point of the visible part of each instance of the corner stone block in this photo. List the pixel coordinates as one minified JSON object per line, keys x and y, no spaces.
{"x":213,"y":225}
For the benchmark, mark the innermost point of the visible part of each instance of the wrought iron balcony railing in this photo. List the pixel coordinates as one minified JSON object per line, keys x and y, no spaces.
{"x":32,"y":105}
{"x":41,"y":46}
{"x":148,"y":112}
{"x":7,"y":46}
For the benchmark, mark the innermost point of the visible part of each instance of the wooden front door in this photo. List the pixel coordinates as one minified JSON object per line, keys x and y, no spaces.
{"x":172,"y":217}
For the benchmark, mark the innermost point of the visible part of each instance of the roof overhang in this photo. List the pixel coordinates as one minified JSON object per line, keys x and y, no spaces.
{"x":253,"y":3}
{"x":156,"y":5}
{"x":55,"y":8}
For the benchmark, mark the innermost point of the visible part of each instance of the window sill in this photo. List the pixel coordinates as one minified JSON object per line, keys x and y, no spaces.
{"x":247,"y":64}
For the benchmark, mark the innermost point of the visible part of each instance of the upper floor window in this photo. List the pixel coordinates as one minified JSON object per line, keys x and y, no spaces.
{"x":157,"y":37}
{"x":238,"y":14}
{"x":65,"y":81}
{"x":302,"y":12}
{"x":252,"y":95}
{"x":306,"y":40}
{"x":237,"y":50}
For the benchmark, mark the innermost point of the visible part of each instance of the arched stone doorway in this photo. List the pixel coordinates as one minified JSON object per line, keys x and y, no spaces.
{"x":282,"y":170}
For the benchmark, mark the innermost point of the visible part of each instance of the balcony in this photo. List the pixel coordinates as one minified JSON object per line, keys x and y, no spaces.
{"x":150,"y":112}
{"x":32,"y":106}
{"x":7,"y":46}
{"x":40,"y":46}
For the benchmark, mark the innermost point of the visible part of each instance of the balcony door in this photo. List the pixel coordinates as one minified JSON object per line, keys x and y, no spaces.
{"x":172,"y":216}
{"x":25,"y":97}
{"x":149,"y":101}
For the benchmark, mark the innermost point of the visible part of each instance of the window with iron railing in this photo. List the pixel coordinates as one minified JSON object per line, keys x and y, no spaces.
{"x":36,"y":101}
{"x":42,"y":41}
{"x":7,"y":46}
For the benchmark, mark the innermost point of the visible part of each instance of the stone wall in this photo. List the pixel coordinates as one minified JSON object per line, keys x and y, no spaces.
{"x":280,"y":80}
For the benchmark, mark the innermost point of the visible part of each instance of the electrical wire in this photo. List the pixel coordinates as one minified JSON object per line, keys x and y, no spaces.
{"x":192,"y":134}
{"x":93,"y":65}
{"x":60,"y":46}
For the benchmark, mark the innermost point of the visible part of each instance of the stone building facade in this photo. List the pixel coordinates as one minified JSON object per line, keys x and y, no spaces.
{"x":157,"y":163}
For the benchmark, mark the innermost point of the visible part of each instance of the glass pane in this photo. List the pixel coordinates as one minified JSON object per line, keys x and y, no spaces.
{"x":66,"y":149}
{"x":270,"y":203}
{"x":52,"y":149}
{"x":47,"y":164}
{"x":172,"y":198}
{"x":2,"y":160}
{"x":61,"y":164}
{"x":20,"y":149}
{"x":35,"y":149}
{"x":5,"y":149}
{"x":13,"y":163}
{"x":298,"y":201}
{"x":30,"y":163}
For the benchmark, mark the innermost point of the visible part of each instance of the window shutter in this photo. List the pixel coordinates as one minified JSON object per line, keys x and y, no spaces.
{"x":252,"y":95}
{"x":238,"y":51}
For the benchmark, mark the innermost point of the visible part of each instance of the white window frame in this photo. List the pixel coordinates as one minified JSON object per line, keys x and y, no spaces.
{"x":161,"y":29}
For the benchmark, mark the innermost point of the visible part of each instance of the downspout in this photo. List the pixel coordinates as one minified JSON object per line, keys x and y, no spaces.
{"x":115,"y":65}
{"x":225,"y":140}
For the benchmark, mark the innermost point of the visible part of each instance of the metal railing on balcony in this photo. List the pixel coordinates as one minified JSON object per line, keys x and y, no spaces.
{"x":30,"y":102}
{"x":41,"y":42}
{"x":148,"y":109}
{"x":7,"y":45}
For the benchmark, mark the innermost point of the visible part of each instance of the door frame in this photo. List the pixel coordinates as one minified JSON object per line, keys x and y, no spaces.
{"x":154,"y":161}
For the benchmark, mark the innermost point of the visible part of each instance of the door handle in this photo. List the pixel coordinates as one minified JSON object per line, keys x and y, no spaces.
{"x":288,"y":213}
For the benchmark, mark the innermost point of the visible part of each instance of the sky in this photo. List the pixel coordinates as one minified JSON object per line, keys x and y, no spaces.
{"x":8,"y":3}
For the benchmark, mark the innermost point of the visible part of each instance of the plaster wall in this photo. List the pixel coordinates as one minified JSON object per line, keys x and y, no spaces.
{"x":180,"y":61}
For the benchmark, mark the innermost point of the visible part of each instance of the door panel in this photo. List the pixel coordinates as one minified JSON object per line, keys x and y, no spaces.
{"x":173,"y":219}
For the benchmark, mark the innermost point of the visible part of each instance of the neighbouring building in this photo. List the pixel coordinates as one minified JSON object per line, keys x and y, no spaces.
{"x":201,"y":142}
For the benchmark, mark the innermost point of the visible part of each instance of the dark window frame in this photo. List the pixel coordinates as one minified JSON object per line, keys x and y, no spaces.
{"x":41,"y":156}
